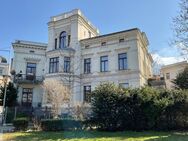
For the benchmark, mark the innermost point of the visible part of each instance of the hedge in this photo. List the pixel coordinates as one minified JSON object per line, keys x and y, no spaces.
{"x":115,"y":108}
{"x":60,"y":124}
{"x":21,"y":123}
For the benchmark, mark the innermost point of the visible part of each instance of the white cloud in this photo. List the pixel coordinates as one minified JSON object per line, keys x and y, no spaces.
{"x":166,"y":60}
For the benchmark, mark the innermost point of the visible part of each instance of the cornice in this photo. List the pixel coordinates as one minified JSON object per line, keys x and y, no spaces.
{"x":29,"y":46}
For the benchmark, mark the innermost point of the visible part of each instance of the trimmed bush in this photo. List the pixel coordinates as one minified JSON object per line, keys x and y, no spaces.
{"x":116,"y":109}
{"x":21,"y":123}
{"x":60,"y":124}
{"x":72,"y":124}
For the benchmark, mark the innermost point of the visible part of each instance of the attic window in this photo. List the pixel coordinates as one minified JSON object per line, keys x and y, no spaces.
{"x":87,"y":46}
{"x":32,"y":51}
{"x":121,"y":40}
{"x":103,"y":43}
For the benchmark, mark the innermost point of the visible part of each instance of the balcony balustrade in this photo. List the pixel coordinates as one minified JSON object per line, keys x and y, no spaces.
{"x":28,"y":78}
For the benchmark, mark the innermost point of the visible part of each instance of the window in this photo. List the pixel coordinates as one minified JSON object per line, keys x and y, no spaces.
{"x":1,"y":71}
{"x":122,"y":61}
{"x":32,"y":51}
{"x":89,"y":34}
{"x":55,"y":43}
{"x":27,"y":95}
{"x":87,"y":93}
{"x":124,"y":85}
{"x":121,"y":40}
{"x":167,"y":75}
{"x":66,"y":64}
{"x":104,"y":63}
{"x":87,"y":46}
{"x":31,"y":71}
{"x":62,"y":40}
{"x":69,"y":39}
{"x":87,"y":65}
{"x":103,"y":43}
{"x":54,"y":65}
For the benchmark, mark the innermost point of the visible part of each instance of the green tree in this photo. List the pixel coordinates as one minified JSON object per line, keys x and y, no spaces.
{"x":11,"y":95}
{"x":181,"y":81}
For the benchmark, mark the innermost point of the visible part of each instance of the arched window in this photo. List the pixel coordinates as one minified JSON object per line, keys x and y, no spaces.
{"x":62,"y":39}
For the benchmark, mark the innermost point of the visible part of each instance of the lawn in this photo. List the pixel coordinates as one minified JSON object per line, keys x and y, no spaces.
{"x":96,"y":136}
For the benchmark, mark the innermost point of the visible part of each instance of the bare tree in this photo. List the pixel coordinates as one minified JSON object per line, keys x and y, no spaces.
{"x":81,"y":111}
{"x":180,"y":27}
{"x":56,"y":94}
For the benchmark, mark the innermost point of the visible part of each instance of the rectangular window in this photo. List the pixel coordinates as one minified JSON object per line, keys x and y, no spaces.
{"x":54,"y":65}
{"x":69,"y":39}
{"x":89,"y":34}
{"x":87,"y":93}
{"x":122,"y":61}
{"x":31,"y":51}
{"x":87,"y":65}
{"x":1,"y":72}
{"x":27,"y":96}
{"x":87,"y":46}
{"x":167,"y":75}
{"x":121,"y":40}
{"x":103,"y":44}
{"x":67,"y":64}
{"x":31,"y":71}
{"x":124,"y":85}
{"x":55,"y":43}
{"x":104,"y":63}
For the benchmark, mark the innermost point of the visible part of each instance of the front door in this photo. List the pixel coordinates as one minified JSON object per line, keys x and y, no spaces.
{"x":27,"y":96}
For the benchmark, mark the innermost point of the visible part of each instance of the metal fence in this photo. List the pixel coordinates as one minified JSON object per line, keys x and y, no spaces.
{"x":12,"y":113}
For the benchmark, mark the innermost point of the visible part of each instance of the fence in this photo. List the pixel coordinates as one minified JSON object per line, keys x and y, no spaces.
{"x":44,"y":113}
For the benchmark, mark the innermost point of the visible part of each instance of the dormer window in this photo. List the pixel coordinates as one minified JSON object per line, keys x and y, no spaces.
{"x":62,"y":40}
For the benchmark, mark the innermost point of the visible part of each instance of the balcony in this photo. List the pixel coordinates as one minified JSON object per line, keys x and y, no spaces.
{"x":28,"y":79}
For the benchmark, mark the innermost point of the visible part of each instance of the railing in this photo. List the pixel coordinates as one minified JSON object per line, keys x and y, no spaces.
{"x":28,"y":78}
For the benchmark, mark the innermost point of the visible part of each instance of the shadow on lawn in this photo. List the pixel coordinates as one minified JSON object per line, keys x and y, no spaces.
{"x":93,"y":135}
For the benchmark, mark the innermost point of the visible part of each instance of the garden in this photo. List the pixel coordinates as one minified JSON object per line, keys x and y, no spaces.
{"x":116,"y":113}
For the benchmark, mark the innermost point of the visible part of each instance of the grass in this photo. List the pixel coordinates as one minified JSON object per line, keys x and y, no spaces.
{"x":95,"y":136}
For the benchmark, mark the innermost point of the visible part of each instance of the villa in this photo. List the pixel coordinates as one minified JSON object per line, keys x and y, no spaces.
{"x":80,"y":57}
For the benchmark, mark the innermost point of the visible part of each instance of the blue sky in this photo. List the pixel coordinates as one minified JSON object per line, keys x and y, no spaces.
{"x":27,"y":19}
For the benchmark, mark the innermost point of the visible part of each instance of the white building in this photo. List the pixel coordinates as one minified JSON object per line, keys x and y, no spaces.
{"x":82,"y":59}
{"x":29,"y":63}
{"x":4,"y":67}
{"x":170,"y":72}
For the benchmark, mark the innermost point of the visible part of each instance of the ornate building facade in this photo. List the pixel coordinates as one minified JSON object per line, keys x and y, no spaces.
{"x":80,"y":57}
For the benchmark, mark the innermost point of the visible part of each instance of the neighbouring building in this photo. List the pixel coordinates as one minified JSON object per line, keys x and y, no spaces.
{"x":4,"y":70}
{"x":80,"y":57}
{"x":170,"y":72}
{"x":157,"y":82}
{"x":29,"y":64}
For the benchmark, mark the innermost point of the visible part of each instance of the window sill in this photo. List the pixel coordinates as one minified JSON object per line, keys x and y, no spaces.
{"x":124,"y":70}
{"x":104,"y":72}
